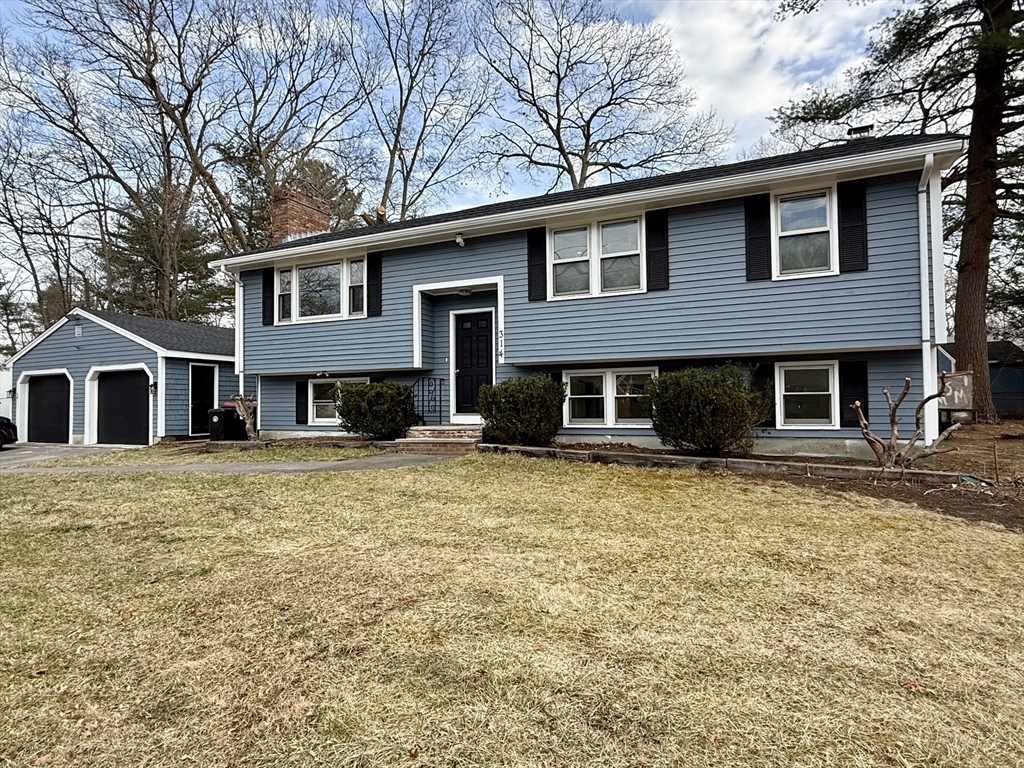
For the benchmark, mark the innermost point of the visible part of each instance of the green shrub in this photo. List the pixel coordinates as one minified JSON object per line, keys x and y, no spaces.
{"x":714,"y":410}
{"x":525,"y":411}
{"x":383,"y":410}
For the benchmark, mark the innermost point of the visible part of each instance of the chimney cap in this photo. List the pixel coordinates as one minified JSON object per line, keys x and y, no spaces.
{"x":861,"y":131}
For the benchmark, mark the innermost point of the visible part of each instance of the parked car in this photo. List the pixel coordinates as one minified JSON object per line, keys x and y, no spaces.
{"x":8,"y":432}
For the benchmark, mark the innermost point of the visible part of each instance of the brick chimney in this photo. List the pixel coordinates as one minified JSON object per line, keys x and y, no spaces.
{"x":294,"y":214}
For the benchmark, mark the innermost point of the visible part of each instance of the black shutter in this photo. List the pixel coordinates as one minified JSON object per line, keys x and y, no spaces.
{"x":657,"y":250}
{"x":374,"y":271}
{"x":757,"y":209}
{"x":853,"y":226}
{"x":302,"y":401}
{"x":268,"y":296}
{"x":853,"y":385}
{"x":764,"y":381}
{"x":537,"y":264}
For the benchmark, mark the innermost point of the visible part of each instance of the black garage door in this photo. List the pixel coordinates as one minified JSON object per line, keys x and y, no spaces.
{"x":122,"y":408}
{"x":48,"y":409}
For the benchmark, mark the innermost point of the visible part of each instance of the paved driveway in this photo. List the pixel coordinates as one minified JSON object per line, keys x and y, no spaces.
{"x":26,"y":454}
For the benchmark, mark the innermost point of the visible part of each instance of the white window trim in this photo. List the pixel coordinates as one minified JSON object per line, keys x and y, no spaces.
{"x":216,"y":394}
{"x":609,"y":397}
{"x":833,"y":379}
{"x":593,"y":228}
{"x":343,"y":268}
{"x":454,"y":416}
{"x":332,"y":422}
{"x":833,"y":231}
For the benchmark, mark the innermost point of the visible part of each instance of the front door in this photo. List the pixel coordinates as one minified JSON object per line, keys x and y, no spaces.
{"x":474,"y":358}
{"x":200,"y":398}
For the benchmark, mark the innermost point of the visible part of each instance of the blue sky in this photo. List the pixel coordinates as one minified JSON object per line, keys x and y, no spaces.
{"x":744,"y":63}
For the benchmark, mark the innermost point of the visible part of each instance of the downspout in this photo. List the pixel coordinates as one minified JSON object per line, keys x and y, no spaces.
{"x":239,"y":327}
{"x":928,"y":361}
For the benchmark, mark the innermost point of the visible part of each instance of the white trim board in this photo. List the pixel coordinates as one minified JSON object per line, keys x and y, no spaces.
{"x":855,"y":166}
{"x":453,"y":416}
{"x":497,"y":282}
{"x":92,"y":397}
{"x":21,"y":408}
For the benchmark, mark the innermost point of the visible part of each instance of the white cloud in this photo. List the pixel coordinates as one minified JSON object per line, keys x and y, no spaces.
{"x":744,"y":63}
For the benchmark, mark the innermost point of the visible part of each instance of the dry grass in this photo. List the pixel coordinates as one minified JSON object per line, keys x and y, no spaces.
{"x":499,"y":611}
{"x":980,"y":446}
{"x":172,"y":453}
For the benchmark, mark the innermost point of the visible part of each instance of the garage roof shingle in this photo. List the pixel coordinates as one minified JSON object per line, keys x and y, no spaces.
{"x":173,"y":335}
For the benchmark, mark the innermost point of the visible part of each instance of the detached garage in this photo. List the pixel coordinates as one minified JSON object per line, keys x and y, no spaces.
{"x":104,"y":377}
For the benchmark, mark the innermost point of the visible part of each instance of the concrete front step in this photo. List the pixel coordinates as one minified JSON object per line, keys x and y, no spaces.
{"x":446,"y":432}
{"x":450,"y":446}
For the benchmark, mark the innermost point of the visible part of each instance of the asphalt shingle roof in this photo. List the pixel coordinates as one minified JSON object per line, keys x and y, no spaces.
{"x":173,"y":334}
{"x":998,"y":352}
{"x":847,"y":149}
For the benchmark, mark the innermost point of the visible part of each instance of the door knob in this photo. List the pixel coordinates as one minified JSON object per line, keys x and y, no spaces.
{"x":456,"y":371}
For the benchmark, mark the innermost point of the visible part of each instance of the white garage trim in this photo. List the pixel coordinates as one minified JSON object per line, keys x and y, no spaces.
{"x":22,"y":406}
{"x":161,"y":396}
{"x":92,"y":399}
{"x":216,"y":394}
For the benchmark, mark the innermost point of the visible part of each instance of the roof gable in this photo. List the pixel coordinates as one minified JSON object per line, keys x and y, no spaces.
{"x":170,"y":335}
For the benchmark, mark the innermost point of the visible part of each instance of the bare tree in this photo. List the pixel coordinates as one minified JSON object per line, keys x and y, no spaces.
{"x":889,"y":453}
{"x":425,"y":93}
{"x":588,"y":94}
{"x":294,"y":101}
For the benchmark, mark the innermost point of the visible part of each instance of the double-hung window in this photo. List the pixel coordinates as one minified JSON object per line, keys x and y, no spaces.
{"x":807,"y":394}
{"x":606,"y":398}
{"x":333,"y":290}
{"x":805,"y":239}
{"x":600,"y":258}
{"x":321,"y":399}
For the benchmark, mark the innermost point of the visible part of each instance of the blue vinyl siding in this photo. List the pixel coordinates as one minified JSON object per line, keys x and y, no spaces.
{"x":710,"y":310}
{"x":177,"y":397}
{"x":885,"y":369}
{"x":97,"y":346}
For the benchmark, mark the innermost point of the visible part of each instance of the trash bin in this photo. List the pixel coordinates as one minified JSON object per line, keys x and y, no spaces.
{"x":234,"y":424}
{"x":217,"y":420}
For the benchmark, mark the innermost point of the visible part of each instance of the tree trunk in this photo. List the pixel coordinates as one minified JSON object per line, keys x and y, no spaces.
{"x":971,"y":332}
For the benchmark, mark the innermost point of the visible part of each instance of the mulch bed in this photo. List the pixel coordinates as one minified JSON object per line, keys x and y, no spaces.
{"x":1001,"y":506}
{"x":968,"y":502}
{"x":629,"y":448}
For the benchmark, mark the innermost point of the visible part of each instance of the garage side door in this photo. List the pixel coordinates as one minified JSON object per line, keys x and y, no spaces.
{"x":49,"y":409}
{"x":122,"y":407}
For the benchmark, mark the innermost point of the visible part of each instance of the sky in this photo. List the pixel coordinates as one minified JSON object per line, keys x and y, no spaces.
{"x":741,"y":61}
{"x":744,"y":63}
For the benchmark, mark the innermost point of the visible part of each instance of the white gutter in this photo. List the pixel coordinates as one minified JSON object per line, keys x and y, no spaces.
{"x":929,"y":363}
{"x":239,"y":326}
{"x":890,"y":161}
{"x":939,"y":318}
{"x":922,"y":239}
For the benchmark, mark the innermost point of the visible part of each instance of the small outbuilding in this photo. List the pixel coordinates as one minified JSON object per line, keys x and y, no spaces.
{"x":105,"y":377}
{"x":1006,"y":370}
